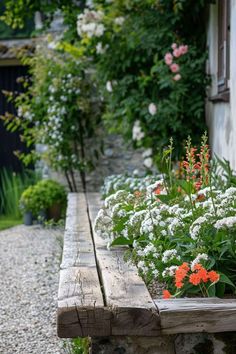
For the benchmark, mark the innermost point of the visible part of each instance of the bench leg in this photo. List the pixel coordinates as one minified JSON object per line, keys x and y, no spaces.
{"x":133,"y":345}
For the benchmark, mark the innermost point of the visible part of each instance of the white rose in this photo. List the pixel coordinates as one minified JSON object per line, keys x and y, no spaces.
{"x":152,"y":109}
{"x":148,"y":162}
{"x":109,"y":86}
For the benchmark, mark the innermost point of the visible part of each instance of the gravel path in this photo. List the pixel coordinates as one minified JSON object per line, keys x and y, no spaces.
{"x":29,"y":264}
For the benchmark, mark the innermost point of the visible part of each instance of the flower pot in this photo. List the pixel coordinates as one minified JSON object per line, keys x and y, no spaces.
{"x":54,"y":212}
{"x":28,"y":218}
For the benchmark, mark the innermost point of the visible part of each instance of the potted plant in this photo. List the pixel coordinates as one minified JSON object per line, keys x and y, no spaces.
{"x":53,"y":195}
{"x":30,"y":205}
{"x":44,"y":200}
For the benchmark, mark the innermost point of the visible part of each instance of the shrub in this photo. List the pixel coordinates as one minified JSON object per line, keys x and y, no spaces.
{"x":42,"y":196}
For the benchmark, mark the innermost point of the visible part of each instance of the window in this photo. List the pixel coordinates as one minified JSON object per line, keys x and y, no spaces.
{"x":223,"y":45}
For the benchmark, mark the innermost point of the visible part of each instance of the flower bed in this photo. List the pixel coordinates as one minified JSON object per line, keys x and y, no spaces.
{"x":180,"y":230}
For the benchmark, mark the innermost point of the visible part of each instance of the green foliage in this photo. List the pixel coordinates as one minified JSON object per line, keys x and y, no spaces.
{"x":60,"y":109}
{"x":11,"y":186}
{"x":137,"y":35}
{"x":77,"y":346}
{"x":18,"y":12}
{"x":9,"y":221}
{"x":42,"y":196}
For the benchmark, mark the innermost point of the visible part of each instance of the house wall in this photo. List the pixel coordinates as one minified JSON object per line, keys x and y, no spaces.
{"x":221,"y":116}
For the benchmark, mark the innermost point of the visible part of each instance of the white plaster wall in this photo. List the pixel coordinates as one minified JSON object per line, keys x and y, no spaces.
{"x":221,"y":117}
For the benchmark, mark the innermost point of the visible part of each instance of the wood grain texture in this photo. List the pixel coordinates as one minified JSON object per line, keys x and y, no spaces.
{"x":80,"y":301}
{"x":194,"y":315}
{"x":134,"y":312}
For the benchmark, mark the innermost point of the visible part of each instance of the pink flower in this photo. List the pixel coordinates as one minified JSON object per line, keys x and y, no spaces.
{"x":168,"y":58}
{"x":173,"y":46}
{"x":177,"y":77}
{"x":177,"y":53}
{"x":174,"y":68}
{"x":183,"y":49}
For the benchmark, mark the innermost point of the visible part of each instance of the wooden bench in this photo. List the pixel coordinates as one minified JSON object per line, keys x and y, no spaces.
{"x":103,"y":297}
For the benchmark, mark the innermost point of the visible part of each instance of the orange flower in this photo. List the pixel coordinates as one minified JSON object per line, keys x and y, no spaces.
{"x":137,"y":194}
{"x":179,"y":284}
{"x":157,"y":190}
{"x":201,"y":197}
{"x":185,"y":266}
{"x":194,"y":279}
{"x":203,"y":275}
{"x":213,"y":276}
{"x":180,"y":274}
{"x":166,"y":294}
{"x":197,"y":266}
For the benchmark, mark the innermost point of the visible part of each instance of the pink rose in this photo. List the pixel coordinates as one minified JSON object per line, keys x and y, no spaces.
{"x":177,"y":77}
{"x":173,"y":46}
{"x":177,"y":53}
{"x":183,"y":49}
{"x":168,"y":58}
{"x":174,"y":68}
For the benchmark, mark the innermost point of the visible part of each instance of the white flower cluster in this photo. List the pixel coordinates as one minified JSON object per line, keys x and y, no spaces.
{"x":169,"y":255}
{"x":200,"y":257}
{"x":90,"y":24}
{"x":157,"y":230}
{"x":137,"y":132}
{"x":132,"y":183}
{"x":228,"y":222}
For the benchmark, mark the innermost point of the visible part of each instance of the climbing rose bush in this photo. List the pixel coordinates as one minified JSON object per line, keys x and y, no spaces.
{"x":153,"y":79}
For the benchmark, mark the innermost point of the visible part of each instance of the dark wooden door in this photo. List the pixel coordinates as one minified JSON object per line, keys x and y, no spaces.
{"x":10,"y":142}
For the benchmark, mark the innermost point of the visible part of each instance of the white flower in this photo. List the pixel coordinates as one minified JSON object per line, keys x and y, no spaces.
{"x":147,"y":153}
{"x":109,"y":86}
{"x":119,"y":20}
{"x":100,"y":49}
{"x":152,"y":109}
{"x":148,"y":162}
{"x":137,"y":132}
{"x":155,"y":273}
{"x":200,"y":256}
{"x":168,"y":255}
{"x":229,"y":221}
{"x":100,"y":29}
{"x":169,"y":271}
{"x":20,"y":112}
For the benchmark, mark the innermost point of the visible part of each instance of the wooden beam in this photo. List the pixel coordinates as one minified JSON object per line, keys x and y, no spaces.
{"x":194,"y":315}
{"x":133,"y":311}
{"x":80,"y":300}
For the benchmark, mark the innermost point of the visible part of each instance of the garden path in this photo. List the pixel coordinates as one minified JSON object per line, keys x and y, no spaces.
{"x":29,"y":264}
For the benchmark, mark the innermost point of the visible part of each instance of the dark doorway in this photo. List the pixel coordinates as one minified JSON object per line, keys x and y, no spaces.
{"x":10,"y":142}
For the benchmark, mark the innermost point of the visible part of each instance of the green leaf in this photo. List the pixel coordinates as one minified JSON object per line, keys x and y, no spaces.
{"x":212,"y":290}
{"x":220,"y":289}
{"x":121,"y":241}
{"x":226,"y":280}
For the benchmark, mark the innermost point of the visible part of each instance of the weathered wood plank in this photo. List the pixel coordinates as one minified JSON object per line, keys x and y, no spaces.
{"x":80,"y":301}
{"x":134,"y":312}
{"x":187,"y":315}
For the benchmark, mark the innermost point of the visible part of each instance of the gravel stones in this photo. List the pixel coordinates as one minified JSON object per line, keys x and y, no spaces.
{"x":29,"y":268}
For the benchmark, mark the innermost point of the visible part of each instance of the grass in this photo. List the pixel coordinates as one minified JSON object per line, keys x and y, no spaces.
{"x":11,"y":187}
{"x":9,"y":221}
{"x":77,"y":346}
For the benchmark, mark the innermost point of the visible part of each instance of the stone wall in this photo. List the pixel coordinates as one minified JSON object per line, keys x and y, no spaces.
{"x":118,"y":158}
{"x":197,"y":343}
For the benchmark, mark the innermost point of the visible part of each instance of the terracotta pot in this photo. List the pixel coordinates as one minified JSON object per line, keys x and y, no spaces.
{"x":54,"y":212}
